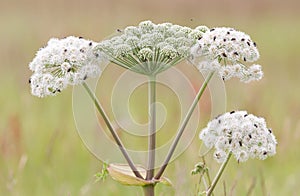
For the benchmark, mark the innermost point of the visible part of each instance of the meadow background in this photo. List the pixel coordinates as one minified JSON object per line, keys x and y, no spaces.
{"x":40,"y":150}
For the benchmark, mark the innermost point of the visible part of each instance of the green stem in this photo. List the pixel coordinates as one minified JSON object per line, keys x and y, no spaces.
{"x":149,"y":190}
{"x":112,"y":131}
{"x":182,"y":128}
{"x":216,"y":179}
{"x":207,"y":173}
{"x":152,"y":127}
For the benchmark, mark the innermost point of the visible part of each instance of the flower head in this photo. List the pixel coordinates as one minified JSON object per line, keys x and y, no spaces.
{"x":150,"y":48}
{"x":62,"y":62}
{"x":243,"y":134}
{"x":226,"y":51}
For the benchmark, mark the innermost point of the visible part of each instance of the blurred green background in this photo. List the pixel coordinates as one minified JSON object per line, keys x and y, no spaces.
{"x":40,"y":150}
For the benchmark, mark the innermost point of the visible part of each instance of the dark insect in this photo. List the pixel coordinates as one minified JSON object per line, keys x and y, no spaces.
{"x":224,"y":40}
{"x":265,"y":153}
{"x":224,"y":55}
{"x":230,"y":140}
{"x":255,"y":125}
{"x":254,"y":44}
{"x":250,"y":136}
{"x":85,"y":77}
{"x":29,"y":81}
{"x":228,"y":32}
{"x":236,"y":53}
{"x":119,"y":30}
{"x":240,"y":142}
{"x":245,"y":59}
{"x":91,"y":43}
{"x":212,"y":29}
{"x":218,"y":116}
{"x":81,"y":50}
{"x":233,"y":39}
{"x":242,"y":39}
{"x":245,"y":115}
{"x":248,"y":43}
{"x":65,"y":50}
{"x":215,"y":38}
{"x":270,"y":131}
{"x":232,"y":112}
{"x":80,"y":37}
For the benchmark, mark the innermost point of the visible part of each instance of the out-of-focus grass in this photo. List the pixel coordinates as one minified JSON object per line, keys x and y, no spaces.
{"x":40,"y":151}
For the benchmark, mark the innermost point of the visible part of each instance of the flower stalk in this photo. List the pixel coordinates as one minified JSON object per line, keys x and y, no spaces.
{"x":152,"y":127}
{"x":218,"y":176}
{"x":112,"y":131}
{"x":184,"y":124}
{"x":149,"y":190}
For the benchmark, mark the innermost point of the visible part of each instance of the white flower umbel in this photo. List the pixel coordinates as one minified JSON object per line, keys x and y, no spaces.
{"x":227,"y":51}
{"x":63,"y":62}
{"x":151,"y":48}
{"x":242,"y":134}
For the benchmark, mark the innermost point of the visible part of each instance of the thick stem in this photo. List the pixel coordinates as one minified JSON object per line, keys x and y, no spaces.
{"x":112,"y":131}
{"x":149,"y":190}
{"x":152,"y":127}
{"x":216,"y":179}
{"x":182,"y":128}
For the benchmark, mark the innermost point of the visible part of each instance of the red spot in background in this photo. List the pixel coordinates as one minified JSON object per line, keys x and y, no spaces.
{"x":10,"y":140}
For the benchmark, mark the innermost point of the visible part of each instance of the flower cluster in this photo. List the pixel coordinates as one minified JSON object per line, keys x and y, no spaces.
{"x":243,"y":134}
{"x":62,"y":62}
{"x":151,"y":48}
{"x":225,"y":50}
